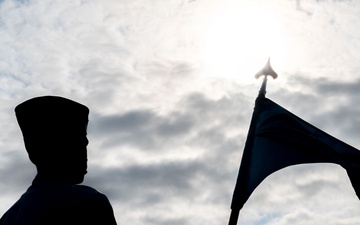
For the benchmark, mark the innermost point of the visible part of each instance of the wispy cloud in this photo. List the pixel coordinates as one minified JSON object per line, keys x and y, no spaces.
{"x":166,"y":137}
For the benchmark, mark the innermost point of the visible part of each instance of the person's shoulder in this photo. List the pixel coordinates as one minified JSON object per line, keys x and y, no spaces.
{"x":89,"y":193}
{"x":63,"y":192}
{"x":96,"y":206}
{"x":85,"y":189}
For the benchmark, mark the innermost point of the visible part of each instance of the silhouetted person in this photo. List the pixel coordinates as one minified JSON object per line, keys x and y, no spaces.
{"x":54,"y":131}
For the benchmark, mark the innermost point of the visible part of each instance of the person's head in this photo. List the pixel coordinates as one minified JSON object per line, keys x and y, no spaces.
{"x":54,"y":131}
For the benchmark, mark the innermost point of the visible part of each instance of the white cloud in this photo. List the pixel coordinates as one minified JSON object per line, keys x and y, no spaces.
{"x":165,"y":137}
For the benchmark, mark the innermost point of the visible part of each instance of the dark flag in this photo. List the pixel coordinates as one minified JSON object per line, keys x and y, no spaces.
{"x":278,"y":139}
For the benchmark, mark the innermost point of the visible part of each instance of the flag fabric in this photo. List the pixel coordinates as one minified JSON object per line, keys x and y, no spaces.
{"x":277,"y":139}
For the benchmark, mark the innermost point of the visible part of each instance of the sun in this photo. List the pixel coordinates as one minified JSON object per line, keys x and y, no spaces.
{"x":239,"y":40}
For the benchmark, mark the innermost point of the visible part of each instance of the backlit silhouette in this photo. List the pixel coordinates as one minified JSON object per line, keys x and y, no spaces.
{"x":54,"y":131}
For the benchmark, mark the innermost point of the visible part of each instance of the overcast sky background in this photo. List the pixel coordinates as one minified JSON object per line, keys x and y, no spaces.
{"x":171,"y":88}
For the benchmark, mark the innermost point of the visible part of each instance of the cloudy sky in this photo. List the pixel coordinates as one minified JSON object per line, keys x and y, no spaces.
{"x":171,"y":88}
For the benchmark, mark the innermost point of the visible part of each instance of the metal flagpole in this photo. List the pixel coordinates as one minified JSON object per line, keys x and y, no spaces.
{"x":234,"y":216}
{"x":266,"y":71}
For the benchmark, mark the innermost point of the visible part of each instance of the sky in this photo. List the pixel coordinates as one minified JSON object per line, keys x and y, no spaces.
{"x":170,"y":86}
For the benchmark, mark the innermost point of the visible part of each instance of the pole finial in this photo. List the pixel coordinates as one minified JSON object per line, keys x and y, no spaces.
{"x":266,"y":71}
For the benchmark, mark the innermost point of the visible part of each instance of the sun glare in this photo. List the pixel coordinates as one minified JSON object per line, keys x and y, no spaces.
{"x":239,"y":40}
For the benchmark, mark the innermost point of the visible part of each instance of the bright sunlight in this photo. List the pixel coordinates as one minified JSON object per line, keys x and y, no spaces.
{"x":240,"y":39}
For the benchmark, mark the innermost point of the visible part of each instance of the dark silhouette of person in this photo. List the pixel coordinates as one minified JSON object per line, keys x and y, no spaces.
{"x":54,"y":131}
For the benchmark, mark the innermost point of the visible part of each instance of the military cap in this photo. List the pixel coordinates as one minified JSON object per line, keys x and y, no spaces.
{"x":48,"y":114}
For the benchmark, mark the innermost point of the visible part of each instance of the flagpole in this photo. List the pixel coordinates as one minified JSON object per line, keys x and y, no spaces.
{"x":262,"y":91}
{"x":234,"y":216}
{"x":266,"y":71}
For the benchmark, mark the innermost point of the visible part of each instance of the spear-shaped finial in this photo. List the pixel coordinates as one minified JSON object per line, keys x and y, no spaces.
{"x":267,"y":70}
